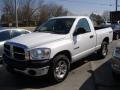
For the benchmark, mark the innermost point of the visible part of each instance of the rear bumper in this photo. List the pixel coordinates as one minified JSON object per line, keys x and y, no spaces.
{"x":32,"y":68}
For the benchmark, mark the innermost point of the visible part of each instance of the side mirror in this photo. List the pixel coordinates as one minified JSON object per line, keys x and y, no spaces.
{"x":75,"y":33}
{"x":79,"y":31}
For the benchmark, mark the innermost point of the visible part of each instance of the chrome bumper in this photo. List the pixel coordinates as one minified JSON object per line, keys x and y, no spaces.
{"x":34,"y":71}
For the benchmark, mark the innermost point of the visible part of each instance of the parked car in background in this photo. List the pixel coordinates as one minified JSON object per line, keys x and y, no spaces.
{"x":6,"y":34}
{"x":116,"y":31}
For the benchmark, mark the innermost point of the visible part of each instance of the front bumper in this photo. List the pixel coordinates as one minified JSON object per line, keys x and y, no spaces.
{"x":31,"y":68}
{"x":115,"y":63}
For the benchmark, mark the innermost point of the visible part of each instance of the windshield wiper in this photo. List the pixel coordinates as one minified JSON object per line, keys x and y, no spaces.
{"x":50,"y":31}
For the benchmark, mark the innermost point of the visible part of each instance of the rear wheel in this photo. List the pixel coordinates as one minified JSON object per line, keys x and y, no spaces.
{"x":59,"y":68}
{"x":116,"y":77}
{"x":104,"y":50}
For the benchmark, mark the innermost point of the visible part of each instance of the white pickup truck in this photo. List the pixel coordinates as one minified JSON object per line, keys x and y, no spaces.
{"x":54,"y":46}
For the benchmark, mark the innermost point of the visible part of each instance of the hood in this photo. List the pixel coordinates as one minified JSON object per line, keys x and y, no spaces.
{"x":35,"y":39}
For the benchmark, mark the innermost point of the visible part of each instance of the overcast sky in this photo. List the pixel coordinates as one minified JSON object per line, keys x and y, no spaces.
{"x":86,"y":7}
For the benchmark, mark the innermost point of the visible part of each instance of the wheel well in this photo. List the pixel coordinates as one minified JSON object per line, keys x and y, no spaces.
{"x":65,"y":52}
{"x":106,"y":40}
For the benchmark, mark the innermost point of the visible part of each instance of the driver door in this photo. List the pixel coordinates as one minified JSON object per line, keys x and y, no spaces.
{"x":84,"y":39}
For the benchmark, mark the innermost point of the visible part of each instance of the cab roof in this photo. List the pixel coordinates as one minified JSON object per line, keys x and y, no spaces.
{"x":69,"y":17}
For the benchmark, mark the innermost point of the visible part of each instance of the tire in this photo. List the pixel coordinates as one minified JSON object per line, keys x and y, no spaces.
{"x":10,"y":69}
{"x":59,"y":69}
{"x":116,"y":37}
{"x":102,"y":53}
{"x":116,"y":77}
{"x":1,"y":61}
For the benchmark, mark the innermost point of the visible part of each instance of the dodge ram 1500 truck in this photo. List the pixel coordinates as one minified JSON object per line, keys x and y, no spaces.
{"x":54,"y":46}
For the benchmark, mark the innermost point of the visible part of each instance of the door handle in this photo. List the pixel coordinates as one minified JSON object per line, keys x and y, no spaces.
{"x":76,"y":48}
{"x":91,"y":36}
{"x":110,"y":32}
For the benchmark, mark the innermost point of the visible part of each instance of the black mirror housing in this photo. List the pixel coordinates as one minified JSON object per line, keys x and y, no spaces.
{"x":79,"y":31}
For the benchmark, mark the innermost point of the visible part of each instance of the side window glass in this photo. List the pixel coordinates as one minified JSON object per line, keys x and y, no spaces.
{"x":82,"y":27}
{"x":5,"y":35}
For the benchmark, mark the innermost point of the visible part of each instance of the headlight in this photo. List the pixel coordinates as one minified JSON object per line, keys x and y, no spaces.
{"x":116,"y":52}
{"x":40,"y":54}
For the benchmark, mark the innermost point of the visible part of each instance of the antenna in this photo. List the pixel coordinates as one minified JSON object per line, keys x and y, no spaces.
{"x":116,"y":5}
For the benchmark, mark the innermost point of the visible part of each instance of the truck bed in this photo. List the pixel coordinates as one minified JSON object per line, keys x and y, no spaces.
{"x":102,"y":27}
{"x":102,"y":33}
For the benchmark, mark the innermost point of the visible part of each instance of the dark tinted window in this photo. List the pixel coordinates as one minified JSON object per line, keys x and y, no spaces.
{"x":82,"y":26}
{"x":16,"y":33}
{"x":5,"y":35}
{"x":58,"y":26}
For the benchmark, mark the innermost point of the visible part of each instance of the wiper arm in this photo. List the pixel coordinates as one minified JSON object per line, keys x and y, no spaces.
{"x":49,"y":31}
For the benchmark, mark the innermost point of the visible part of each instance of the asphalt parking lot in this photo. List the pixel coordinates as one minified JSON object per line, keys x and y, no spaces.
{"x":80,"y":77}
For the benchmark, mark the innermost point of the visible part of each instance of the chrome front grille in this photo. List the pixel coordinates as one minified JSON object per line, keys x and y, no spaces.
{"x":14,"y":51}
{"x":7,"y":50}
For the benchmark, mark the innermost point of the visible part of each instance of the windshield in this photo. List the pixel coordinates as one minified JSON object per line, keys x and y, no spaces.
{"x":57,"y":26}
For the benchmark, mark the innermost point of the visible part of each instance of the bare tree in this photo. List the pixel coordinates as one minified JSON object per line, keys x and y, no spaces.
{"x":51,"y":10}
{"x":97,"y":19}
{"x":56,"y":10}
{"x":31,"y":10}
{"x":9,"y":10}
{"x":26,"y":9}
{"x":106,"y":15}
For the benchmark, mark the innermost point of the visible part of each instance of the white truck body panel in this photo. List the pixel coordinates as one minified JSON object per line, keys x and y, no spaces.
{"x":79,"y":46}
{"x":102,"y":33}
{"x":37,"y":39}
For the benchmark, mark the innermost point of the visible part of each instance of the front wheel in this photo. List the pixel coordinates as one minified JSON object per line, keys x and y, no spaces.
{"x":104,"y":50}
{"x":59,"y":68}
{"x":116,"y":77}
